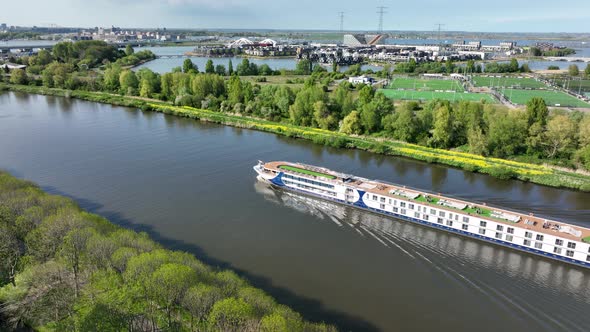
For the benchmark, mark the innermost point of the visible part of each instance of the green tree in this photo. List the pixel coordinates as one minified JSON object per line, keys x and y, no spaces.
{"x":128,"y":82}
{"x":111,"y":77}
{"x":335,"y":67}
{"x":230,"y":314}
{"x":129,"y":50}
{"x":573,"y":70}
{"x":560,"y":135}
{"x":18,"y":76}
{"x":10,"y":252}
{"x":230,"y":68}
{"x":514,"y":66}
{"x":303,"y":67}
{"x":73,"y":252}
{"x":220,"y":70}
{"x":351,"y":124}
{"x":235,"y":91}
{"x":476,"y":141}
{"x":442,"y":133}
{"x":209,"y":67}
{"x":323,"y":117}
{"x":587,"y":70}
{"x":189,"y":67}
{"x":169,"y":284}
{"x":584,"y":131}
{"x":198,"y":301}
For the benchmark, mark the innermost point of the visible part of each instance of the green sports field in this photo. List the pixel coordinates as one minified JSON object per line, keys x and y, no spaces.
{"x":552,"y":98}
{"x":421,"y":84}
{"x":508,"y":82}
{"x":430,"y":95}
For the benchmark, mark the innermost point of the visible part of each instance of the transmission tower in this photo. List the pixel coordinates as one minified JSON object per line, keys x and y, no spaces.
{"x":440,"y":25}
{"x":341,"y":14}
{"x":381,"y":11}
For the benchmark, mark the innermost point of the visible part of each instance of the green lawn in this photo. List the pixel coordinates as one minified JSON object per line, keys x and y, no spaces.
{"x":426,"y":84}
{"x":508,"y":82}
{"x":430,"y":95}
{"x":305,"y":171}
{"x":423,"y":199}
{"x":552,"y":98}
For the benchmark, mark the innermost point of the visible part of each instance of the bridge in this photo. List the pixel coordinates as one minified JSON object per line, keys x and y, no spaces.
{"x":568,"y":59}
{"x":24,"y":48}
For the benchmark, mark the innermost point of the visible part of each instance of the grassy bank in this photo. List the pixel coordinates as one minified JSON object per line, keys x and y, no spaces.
{"x":500,"y":168}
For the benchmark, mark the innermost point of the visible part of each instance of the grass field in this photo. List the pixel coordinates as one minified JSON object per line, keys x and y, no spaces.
{"x":426,"y":84}
{"x":305,"y":171}
{"x":430,"y":95}
{"x":508,"y":82}
{"x":552,"y":98}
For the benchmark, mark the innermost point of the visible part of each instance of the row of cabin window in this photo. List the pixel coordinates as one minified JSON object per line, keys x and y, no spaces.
{"x":509,"y":237}
{"x":317,"y":183}
{"x":309,"y":188}
{"x":412,"y":206}
{"x":529,"y":235}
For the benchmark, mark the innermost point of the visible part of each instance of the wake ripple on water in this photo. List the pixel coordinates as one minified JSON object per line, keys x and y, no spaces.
{"x":462,"y":261}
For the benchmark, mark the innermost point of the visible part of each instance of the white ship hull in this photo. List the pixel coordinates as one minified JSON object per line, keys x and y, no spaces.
{"x":512,"y":234}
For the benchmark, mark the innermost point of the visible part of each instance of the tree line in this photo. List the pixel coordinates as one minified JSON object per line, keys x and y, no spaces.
{"x":477,"y":127}
{"x":64,"y":269}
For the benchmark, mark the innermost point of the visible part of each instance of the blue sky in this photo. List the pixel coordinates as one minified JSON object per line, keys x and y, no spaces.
{"x":462,"y":15}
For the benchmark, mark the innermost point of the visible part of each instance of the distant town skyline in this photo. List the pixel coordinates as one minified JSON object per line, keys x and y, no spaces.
{"x":418,"y":15}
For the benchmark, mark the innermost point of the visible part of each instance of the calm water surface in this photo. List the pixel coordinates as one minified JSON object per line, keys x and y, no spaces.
{"x":192,"y":187}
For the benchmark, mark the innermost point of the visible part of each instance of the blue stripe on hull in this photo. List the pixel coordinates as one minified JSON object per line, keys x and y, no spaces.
{"x":363,"y":206}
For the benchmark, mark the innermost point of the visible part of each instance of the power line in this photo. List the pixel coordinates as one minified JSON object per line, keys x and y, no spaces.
{"x":341,"y":21}
{"x":381,"y":12}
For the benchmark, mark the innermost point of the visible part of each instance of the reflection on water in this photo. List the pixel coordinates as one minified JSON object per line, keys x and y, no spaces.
{"x":461,"y":260}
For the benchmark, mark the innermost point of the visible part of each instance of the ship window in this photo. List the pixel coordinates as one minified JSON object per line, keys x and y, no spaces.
{"x":465,"y":226}
{"x":450,"y":216}
{"x":411,"y":206}
{"x":457,"y":217}
{"x":498,"y":235}
{"x":382,"y":199}
{"x":419,"y":208}
{"x":500,"y":228}
{"x":449,"y":223}
{"x":557,"y":250}
{"x":390,"y":201}
{"x":482,"y":231}
{"x":348,"y":190}
{"x":402,"y":204}
{"x":509,"y":238}
{"x":425,"y":216}
{"x":588,"y":258}
{"x":382,"y":206}
{"x":374,"y":197}
{"x":433,"y":211}
{"x":395,"y":209}
{"x":465,"y":219}
{"x":538,"y":245}
{"x":528,"y":234}
{"x":483,"y":223}
{"x":571,"y":245}
{"x":403,"y":211}
{"x":527,"y":242}
{"x":510,"y":230}
{"x":558,"y":242}
{"x":441,"y":213}
{"x":417,"y":214}
{"x":440,"y":220}
{"x":569,"y":253}
{"x":539,"y":237}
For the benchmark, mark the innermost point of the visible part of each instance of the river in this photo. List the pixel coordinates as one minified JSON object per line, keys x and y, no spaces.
{"x":191,"y":186}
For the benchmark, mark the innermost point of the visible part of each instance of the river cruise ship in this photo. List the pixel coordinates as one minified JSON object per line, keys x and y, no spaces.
{"x":521,"y":231}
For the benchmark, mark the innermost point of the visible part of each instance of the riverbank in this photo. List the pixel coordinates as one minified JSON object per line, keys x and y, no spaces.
{"x":500,"y":168}
{"x":77,"y":267}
